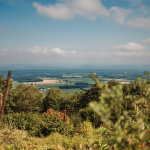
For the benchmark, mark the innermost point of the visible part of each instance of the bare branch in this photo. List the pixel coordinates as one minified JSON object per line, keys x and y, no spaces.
{"x":2,"y":103}
{"x":6,"y":137}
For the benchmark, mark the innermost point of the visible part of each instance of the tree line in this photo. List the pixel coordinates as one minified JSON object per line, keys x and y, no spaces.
{"x":77,"y":85}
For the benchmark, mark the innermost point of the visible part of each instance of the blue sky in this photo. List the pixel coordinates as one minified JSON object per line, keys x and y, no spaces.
{"x":75,"y":31}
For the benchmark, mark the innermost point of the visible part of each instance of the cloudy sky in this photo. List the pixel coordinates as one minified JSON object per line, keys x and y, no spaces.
{"x":75,"y":31}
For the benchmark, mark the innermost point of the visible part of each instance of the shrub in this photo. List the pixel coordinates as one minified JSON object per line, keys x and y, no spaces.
{"x":88,"y":114}
{"x":124,"y":130}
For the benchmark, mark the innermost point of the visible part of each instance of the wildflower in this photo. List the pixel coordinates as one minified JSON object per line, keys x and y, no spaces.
{"x":65,"y":111}
{"x":66,"y":123}
{"x":49,"y":111}
{"x":143,"y":145}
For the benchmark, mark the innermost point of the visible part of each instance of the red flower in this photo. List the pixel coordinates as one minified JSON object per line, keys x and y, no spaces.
{"x":143,"y":145}
{"x":49,"y":111}
{"x":60,"y":115}
{"x":65,"y":111}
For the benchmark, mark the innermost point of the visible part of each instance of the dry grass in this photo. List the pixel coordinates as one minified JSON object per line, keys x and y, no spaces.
{"x":44,"y":82}
{"x":125,"y":82}
{"x":122,"y":81}
{"x":119,"y":80}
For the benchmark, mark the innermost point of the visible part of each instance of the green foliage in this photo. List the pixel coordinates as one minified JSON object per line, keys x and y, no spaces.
{"x":3,"y":84}
{"x":27,"y":99}
{"x":91,"y":95}
{"x":36,"y":124}
{"x":146,"y":73}
{"x":53,"y":99}
{"x":112,"y":83}
{"x":15,"y":140}
{"x":9,"y":102}
{"x":121,"y":115}
{"x":58,"y":101}
{"x":23,"y":121}
{"x":71,"y":102}
{"x":124,"y":131}
{"x":27,"y":78}
{"x":89,"y":114}
{"x":77,"y":85}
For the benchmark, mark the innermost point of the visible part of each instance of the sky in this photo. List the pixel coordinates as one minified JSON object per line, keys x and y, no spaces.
{"x":75,"y":32}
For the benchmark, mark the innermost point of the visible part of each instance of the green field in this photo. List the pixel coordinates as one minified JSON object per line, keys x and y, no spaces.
{"x":87,"y":88}
{"x":74,"y":80}
{"x":45,"y":86}
{"x":71,"y":90}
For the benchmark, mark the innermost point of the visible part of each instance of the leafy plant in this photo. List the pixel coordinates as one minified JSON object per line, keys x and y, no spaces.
{"x":124,"y":131}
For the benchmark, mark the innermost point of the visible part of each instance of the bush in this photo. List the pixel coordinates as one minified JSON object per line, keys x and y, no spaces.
{"x":36,"y":124}
{"x":27,"y":99}
{"x":29,"y":122}
{"x":124,"y":130}
{"x":89,"y":114}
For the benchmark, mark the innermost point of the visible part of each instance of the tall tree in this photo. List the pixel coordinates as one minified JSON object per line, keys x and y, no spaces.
{"x":28,"y":99}
{"x":53,"y":99}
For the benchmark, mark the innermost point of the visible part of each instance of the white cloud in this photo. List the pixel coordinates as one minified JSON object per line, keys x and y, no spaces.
{"x":73,"y":52}
{"x":120,"y":14}
{"x":86,"y":8}
{"x":146,"y":41}
{"x":39,"y":54}
{"x":5,"y":49}
{"x":131,"y":54}
{"x":40,"y":50}
{"x":35,"y":49}
{"x":139,"y":23}
{"x":57,"y":50}
{"x":109,"y":54}
{"x":56,"y":11}
{"x":131,"y":46}
{"x":68,"y":10}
